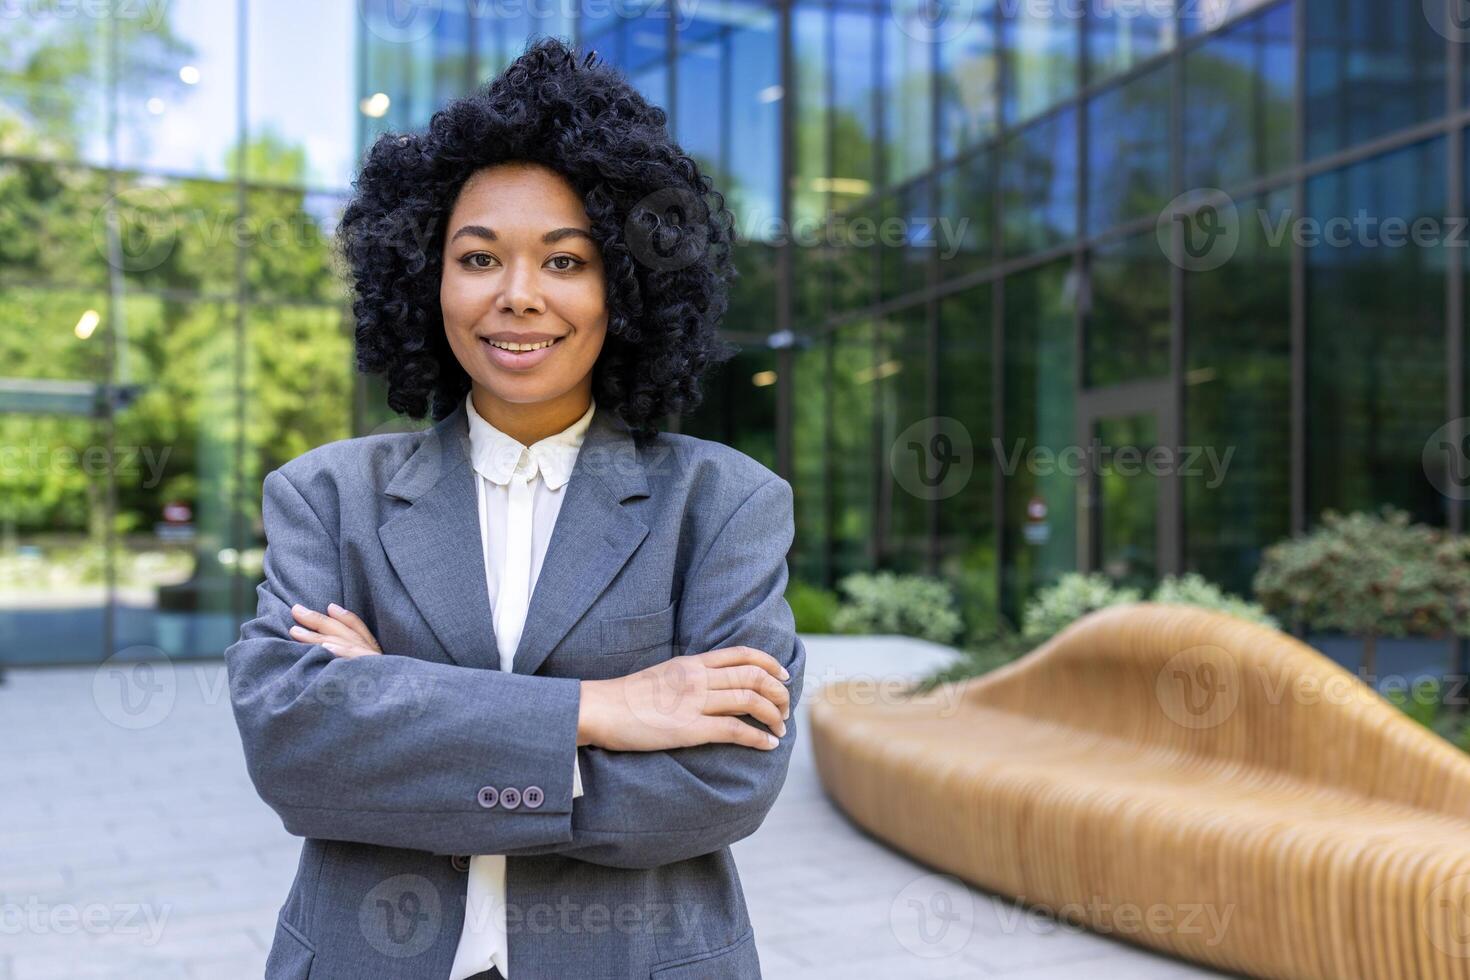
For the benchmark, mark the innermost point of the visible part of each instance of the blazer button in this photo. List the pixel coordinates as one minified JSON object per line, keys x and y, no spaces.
{"x":488,"y":796}
{"x":460,"y":862}
{"x":533,"y":797}
{"x":510,"y":797}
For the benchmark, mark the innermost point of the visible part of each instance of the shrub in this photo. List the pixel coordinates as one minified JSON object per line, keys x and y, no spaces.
{"x":884,"y":602}
{"x":1194,"y":589}
{"x":812,"y":605}
{"x":1369,"y":575}
{"x":1073,"y":596}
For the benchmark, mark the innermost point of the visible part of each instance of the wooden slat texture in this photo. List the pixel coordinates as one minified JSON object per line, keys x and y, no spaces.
{"x":1184,"y":780}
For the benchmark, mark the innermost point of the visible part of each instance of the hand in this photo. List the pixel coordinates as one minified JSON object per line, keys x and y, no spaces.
{"x":341,"y":632}
{"x":688,"y":700}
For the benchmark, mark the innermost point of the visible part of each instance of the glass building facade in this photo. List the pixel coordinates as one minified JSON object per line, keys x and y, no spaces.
{"x":992,"y":256}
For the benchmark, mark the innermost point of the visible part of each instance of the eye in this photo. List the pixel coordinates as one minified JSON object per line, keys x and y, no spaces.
{"x":469,"y":260}
{"x":566,"y":258}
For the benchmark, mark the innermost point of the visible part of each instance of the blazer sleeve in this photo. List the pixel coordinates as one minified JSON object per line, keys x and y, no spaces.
{"x":387,"y":750}
{"x":645,"y":809}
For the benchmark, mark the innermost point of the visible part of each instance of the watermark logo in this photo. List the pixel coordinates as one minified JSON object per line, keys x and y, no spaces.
{"x":667,"y":230}
{"x":1199,"y":687}
{"x":1446,"y":459}
{"x":1207,"y":225}
{"x":143,"y":224}
{"x":1450,"y":18}
{"x":400,"y":917}
{"x":1445,"y":915}
{"x":933,"y":458}
{"x":400,"y":21}
{"x":933,"y":916}
{"x":135,"y":688}
{"x":933,"y":21}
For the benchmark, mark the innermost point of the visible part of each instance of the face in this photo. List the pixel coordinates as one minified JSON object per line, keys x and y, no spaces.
{"x":523,"y":292}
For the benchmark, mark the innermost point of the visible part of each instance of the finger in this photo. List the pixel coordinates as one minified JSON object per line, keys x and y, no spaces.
{"x":309,"y":636}
{"x":350,"y":652}
{"x":744,"y":701}
{"x":752,"y":677}
{"x":325,"y":625}
{"x":736,"y":732}
{"x":354,"y":623}
{"x":734,"y":656}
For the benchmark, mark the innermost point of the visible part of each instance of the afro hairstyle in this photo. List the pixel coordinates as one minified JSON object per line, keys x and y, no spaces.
{"x":663,"y":231}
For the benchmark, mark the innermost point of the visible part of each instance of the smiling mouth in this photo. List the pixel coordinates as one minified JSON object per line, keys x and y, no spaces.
{"x":520,"y":348}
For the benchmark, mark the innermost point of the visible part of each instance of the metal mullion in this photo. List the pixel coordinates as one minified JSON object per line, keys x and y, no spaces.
{"x":237,"y":531}
{"x":1455,"y":303}
{"x":1170,"y":547}
{"x":785,"y":258}
{"x":1084,"y":496}
{"x":1298,"y":464}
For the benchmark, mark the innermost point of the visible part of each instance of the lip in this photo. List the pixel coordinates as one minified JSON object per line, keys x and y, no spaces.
{"x":518,"y":361}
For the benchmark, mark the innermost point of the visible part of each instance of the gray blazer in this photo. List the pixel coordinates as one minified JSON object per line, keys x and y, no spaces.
{"x":396,"y":768}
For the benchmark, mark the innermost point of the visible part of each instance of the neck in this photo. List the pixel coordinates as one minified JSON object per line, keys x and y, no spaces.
{"x":530,"y":422}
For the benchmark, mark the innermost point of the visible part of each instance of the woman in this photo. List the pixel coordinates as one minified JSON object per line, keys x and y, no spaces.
{"x":521,"y":678}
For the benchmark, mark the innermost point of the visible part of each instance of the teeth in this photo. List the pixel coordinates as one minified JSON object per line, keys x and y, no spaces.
{"x":506,"y":345}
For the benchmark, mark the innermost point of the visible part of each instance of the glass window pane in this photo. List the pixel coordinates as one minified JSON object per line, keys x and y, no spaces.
{"x":1041,"y":51}
{"x":1372,"y":68}
{"x":175,"y":234}
{"x":53,"y":85}
{"x":810,"y":456}
{"x":699,"y":117}
{"x":854,"y":128}
{"x":739,"y":406}
{"x":1237,"y":392}
{"x":1376,"y":370}
{"x":854,"y":252}
{"x":414,"y":61}
{"x":1127,"y":322}
{"x":903,"y":383}
{"x":1039,"y":185}
{"x":811,"y":182}
{"x":1128,"y":152}
{"x":1127,"y":502}
{"x":752,"y":295}
{"x":908,"y":62}
{"x":178,"y":90}
{"x":967,"y":556}
{"x":966,"y":212}
{"x":52,"y":567}
{"x":187,"y":510}
{"x":648,"y":60}
{"x":298,"y":381}
{"x":968,"y":82}
{"x":1121,"y":35}
{"x":853,"y":461}
{"x":312,"y":48}
{"x":55,"y":230}
{"x":1240,"y":102}
{"x":289,"y":235}
{"x":908,"y":240}
{"x":1040,"y":501}
{"x":1202,"y":16}
{"x":755,"y":121}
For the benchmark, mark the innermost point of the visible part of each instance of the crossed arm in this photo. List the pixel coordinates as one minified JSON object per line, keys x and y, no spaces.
{"x":392,"y":750}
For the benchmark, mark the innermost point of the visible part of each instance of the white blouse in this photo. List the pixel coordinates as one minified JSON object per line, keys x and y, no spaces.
{"x":520,"y":491}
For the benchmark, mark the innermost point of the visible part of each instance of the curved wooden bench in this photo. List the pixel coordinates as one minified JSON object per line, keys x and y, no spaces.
{"x":1165,"y":760}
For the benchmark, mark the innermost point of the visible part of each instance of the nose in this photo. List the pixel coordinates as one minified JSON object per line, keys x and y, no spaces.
{"x":520,"y":291}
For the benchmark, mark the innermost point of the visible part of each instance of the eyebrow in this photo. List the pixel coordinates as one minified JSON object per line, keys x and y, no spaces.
{"x":550,"y":238}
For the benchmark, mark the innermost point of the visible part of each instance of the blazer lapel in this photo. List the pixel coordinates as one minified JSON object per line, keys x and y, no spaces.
{"x":435,"y":547}
{"x":593,"y":538}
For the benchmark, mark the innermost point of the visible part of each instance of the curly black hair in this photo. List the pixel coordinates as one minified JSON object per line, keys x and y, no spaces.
{"x":662,"y":228}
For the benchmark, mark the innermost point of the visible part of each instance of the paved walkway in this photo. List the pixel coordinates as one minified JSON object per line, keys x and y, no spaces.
{"x":132,"y":845}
